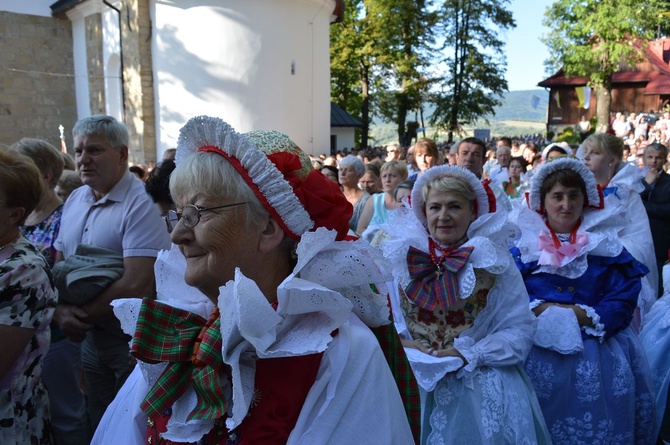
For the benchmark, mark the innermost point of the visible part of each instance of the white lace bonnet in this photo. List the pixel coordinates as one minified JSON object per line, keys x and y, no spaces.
{"x":273,"y":166}
{"x":483,"y":198}
{"x":593,"y":196}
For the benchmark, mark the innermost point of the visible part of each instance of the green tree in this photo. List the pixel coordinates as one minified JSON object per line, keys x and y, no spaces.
{"x":408,"y":28}
{"x":379,"y":54}
{"x":594,"y":38}
{"x":350,"y":65}
{"x":474,"y":79}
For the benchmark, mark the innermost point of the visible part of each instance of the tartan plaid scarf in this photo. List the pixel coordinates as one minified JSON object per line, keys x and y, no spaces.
{"x":433,"y":281}
{"x":191,"y":346}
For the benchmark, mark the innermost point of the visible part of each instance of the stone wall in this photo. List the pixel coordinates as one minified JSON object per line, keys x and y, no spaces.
{"x":95,"y":64}
{"x":36,"y":78}
{"x":140,"y":116}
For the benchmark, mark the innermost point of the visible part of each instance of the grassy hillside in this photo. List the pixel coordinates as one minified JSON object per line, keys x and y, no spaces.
{"x":516,"y":116}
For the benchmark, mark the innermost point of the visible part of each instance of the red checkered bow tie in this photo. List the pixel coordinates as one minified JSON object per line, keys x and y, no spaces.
{"x":191,"y":346}
{"x":434,"y":281}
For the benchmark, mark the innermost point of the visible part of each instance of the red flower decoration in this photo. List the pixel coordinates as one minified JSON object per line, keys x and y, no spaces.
{"x":426,"y":317}
{"x":325,"y":203}
{"x":455,"y":318}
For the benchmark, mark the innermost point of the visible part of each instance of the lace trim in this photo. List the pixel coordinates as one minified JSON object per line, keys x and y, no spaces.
{"x":468,"y":349}
{"x":535,"y":303}
{"x":546,"y":168}
{"x":489,"y":234}
{"x":475,"y":184}
{"x":204,"y":131}
{"x":602,"y":240}
{"x":597,"y":329}
{"x":558,"y":330}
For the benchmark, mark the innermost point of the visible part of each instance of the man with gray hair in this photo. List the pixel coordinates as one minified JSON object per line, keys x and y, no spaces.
{"x":111,"y":211}
{"x":656,"y":200}
{"x":499,"y":173}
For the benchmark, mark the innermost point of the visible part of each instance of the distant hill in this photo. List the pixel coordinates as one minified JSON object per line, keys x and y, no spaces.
{"x":516,"y":116}
{"x":518,"y":105}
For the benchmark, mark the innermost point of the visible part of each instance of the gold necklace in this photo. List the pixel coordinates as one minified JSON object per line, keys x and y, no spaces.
{"x":10,"y":243}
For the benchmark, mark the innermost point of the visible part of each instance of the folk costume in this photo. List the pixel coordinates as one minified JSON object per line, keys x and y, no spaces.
{"x":622,"y":198}
{"x":303,"y":370}
{"x":655,"y":338}
{"x":470,"y":298}
{"x":592,"y":382}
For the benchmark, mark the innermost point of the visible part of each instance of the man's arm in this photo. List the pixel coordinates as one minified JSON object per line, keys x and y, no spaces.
{"x":137,"y":281}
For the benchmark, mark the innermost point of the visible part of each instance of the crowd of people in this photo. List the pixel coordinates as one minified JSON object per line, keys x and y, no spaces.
{"x":243,"y":292}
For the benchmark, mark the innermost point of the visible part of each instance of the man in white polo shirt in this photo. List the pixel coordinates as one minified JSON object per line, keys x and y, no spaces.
{"x":112,"y":211}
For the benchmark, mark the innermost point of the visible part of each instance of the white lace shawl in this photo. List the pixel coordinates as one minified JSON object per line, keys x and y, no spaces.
{"x":598,"y":225}
{"x":490,"y":235}
{"x":634,"y":232}
{"x":308,"y":311}
{"x":502,"y":333}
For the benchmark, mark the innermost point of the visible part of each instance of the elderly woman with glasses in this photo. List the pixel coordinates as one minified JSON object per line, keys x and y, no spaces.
{"x":255,"y":337}
{"x":27,"y":302}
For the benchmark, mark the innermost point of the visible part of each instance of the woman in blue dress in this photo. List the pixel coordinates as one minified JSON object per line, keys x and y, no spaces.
{"x":589,"y":371}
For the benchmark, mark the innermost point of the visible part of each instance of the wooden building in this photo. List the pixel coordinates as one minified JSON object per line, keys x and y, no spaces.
{"x":644,"y":88}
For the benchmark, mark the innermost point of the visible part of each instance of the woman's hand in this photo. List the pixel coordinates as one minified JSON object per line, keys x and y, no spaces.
{"x":582,"y":318}
{"x":416,"y":345}
{"x":451,"y":352}
{"x":73,"y":321}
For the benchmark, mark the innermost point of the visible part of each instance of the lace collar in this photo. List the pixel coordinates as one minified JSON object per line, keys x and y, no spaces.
{"x":313,"y":301}
{"x":489,"y":235}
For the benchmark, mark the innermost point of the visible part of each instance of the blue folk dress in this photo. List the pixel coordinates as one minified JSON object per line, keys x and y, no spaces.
{"x":602,"y":393}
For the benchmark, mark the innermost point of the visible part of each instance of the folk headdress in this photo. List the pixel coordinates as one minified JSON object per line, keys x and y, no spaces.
{"x":594,"y":196}
{"x":434,"y":278}
{"x":484,"y":198}
{"x":279,"y":173}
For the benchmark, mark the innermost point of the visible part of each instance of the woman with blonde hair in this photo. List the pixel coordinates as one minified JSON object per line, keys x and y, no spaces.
{"x":377,"y":209}
{"x":621,"y":184}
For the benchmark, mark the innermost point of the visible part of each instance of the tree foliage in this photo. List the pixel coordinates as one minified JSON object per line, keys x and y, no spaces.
{"x":474,"y":81}
{"x":595,"y":38}
{"x":389,"y":57}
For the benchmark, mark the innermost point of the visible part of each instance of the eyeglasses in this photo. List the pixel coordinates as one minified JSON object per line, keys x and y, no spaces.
{"x":190,"y":215}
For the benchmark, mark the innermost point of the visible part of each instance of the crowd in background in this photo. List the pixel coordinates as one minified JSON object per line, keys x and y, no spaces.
{"x":69,"y":358}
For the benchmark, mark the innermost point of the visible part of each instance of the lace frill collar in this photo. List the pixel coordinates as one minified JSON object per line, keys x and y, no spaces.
{"x":490,"y":235}
{"x":598,"y":233}
{"x":330,"y":281}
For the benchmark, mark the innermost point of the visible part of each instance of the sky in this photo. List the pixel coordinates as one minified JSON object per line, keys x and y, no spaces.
{"x":525,"y":52}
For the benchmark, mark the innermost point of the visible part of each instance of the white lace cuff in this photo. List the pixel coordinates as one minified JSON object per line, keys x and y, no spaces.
{"x":535,"y":303}
{"x":468,"y":349}
{"x":558,"y":330}
{"x":429,"y":369}
{"x":597,"y":329}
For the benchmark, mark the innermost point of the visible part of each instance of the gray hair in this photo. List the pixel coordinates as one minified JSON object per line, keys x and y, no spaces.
{"x":211,"y":175}
{"x":114,"y":132}
{"x":356,"y":163}
{"x":504,"y":148}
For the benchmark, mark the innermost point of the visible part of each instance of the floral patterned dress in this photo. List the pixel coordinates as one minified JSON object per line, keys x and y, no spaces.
{"x":43,"y":235}
{"x":27,"y":300}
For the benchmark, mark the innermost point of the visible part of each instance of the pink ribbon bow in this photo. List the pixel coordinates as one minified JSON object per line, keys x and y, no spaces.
{"x":555,"y":256}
